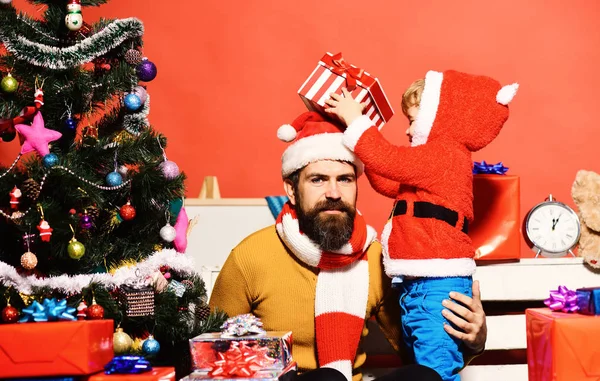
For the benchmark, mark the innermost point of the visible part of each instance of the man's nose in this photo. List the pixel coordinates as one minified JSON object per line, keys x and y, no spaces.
{"x":333,"y":191}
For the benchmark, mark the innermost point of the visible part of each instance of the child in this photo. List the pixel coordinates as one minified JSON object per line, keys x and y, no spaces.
{"x":426,"y":246}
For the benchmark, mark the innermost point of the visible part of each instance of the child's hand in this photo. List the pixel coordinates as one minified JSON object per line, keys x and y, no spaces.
{"x":345,"y":107}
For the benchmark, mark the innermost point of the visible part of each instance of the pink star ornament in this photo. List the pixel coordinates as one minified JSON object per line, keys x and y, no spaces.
{"x":37,"y":136}
{"x":181,"y":227}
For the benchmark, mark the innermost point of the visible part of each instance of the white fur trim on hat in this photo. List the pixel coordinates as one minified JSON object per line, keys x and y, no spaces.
{"x":287,"y":133}
{"x":507,"y":93}
{"x":326,"y":146}
{"x":430,"y":100}
{"x":355,"y":130}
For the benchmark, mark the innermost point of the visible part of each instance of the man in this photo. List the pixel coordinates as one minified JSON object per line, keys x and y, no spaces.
{"x":318,"y":272}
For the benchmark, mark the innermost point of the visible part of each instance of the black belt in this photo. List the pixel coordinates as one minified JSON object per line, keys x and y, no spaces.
{"x":423,"y":209}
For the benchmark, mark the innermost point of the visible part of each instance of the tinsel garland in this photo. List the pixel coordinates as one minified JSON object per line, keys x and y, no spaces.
{"x":69,"y":284}
{"x":113,"y":35}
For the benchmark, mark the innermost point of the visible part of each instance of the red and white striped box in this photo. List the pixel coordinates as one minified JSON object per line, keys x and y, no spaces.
{"x":332,"y":74}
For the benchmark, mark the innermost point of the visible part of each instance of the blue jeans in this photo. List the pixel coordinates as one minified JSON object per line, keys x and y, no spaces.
{"x":423,"y":323}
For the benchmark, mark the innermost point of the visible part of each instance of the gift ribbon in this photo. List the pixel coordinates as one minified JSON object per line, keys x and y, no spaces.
{"x":353,"y":74}
{"x":562,"y":299}
{"x":240,"y":360}
{"x":48,"y":310}
{"x":127,"y":365}
{"x":483,"y":168}
{"x":246,"y":324}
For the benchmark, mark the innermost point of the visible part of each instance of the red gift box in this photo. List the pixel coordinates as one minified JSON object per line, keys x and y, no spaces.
{"x":55,"y":349}
{"x":156,"y":374}
{"x":562,"y":346}
{"x":332,"y":74}
{"x":496,"y":230}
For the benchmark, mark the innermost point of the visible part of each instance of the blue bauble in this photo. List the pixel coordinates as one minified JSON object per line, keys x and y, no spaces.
{"x":146,"y":70}
{"x":50,"y":160}
{"x":114,"y":179}
{"x":151,"y":346}
{"x":70,"y":124}
{"x":132,"y":102}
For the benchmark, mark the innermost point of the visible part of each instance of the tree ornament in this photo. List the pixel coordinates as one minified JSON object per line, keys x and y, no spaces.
{"x":95,"y":311}
{"x":122,"y":342}
{"x":132,"y":102}
{"x":9,"y":314}
{"x":89,"y":136}
{"x":45,"y":230}
{"x":141,"y":92}
{"x":50,"y":160}
{"x":15,"y":195}
{"x":29,"y":260}
{"x":93,"y":212}
{"x":31,"y":189}
{"x":9,"y":84}
{"x":140,"y":300}
{"x":74,"y":19}
{"x":133,"y":57}
{"x":146,"y":70}
{"x":75,"y":249}
{"x":127,"y":212}
{"x":151,"y":346}
{"x":202,"y":312}
{"x":86,"y":221}
{"x":37,"y":136}
{"x":169,"y":169}
{"x":181,"y":231}
{"x":70,"y":124}
{"x":114,"y":179}
{"x":168,"y":233}
{"x":81,"y":310}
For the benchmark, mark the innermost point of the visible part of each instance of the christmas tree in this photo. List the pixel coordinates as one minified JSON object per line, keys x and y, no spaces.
{"x":92,"y":209}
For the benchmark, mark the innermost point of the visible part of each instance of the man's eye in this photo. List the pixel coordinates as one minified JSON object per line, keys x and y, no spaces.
{"x":345,"y":180}
{"x":316,"y":180}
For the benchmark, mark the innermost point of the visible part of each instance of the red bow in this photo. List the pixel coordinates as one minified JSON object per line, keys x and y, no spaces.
{"x":240,"y":360}
{"x":352,"y":73}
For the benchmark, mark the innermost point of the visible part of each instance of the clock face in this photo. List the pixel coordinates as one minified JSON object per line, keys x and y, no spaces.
{"x":553,"y":227}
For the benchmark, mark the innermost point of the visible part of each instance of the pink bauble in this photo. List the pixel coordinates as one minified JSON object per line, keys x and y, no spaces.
{"x":141,"y":93}
{"x":169,"y":169}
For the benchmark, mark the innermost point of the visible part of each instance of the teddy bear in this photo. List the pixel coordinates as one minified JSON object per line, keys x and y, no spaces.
{"x":586,"y":195}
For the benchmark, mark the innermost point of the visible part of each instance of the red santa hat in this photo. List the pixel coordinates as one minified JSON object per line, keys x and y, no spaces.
{"x":470,"y":109}
{"x":316,"y":138}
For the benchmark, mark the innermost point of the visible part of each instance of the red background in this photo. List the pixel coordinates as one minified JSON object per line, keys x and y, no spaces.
{"x":229,"y":72}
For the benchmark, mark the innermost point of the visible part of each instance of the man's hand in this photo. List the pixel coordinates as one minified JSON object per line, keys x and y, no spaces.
{"x":470,"y":318}
{"x":345,"y":107}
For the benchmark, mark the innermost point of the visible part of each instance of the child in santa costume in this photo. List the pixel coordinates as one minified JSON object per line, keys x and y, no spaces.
{"x":426,"y":246}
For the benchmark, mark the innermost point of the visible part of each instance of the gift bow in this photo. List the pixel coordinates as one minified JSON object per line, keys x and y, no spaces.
{"x":483,"y":168}
{"x":127,"y":365}
{"x":352,"y":73}
{"x":562,"y":299}
{"x":240,"y":360}
{"x":49,"y":310}
{"x":240,"y":325}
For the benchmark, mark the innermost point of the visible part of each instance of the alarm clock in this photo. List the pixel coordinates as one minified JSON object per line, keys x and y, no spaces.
{"x":553,"y":228}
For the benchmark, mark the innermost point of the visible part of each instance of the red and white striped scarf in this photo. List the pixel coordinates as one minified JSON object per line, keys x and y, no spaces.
{"x":342,"y":288}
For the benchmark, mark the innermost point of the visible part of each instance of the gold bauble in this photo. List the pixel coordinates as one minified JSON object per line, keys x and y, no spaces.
{"x":121,"y":342}
{"x":29,"y":260}
{"x":75,"y":249}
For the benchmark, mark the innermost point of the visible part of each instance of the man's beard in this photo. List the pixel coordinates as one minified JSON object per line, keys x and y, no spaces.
{"x":330,"y":231}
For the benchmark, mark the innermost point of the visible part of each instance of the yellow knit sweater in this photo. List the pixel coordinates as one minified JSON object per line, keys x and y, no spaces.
{"x":262,"y":277}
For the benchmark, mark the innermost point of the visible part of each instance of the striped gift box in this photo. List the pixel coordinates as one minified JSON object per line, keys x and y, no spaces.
{"x":332,"y":74}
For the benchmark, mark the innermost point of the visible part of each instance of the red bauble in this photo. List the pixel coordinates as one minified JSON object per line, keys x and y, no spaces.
{"x":95,"y":312}
{"x":127,"y":212}
{"x":10,"y":314}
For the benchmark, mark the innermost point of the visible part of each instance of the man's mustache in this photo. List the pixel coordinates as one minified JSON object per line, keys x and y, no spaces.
{"x":333,"y":205}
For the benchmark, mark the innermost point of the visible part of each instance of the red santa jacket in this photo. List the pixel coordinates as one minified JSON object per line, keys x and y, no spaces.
{"x":432,"y":181}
